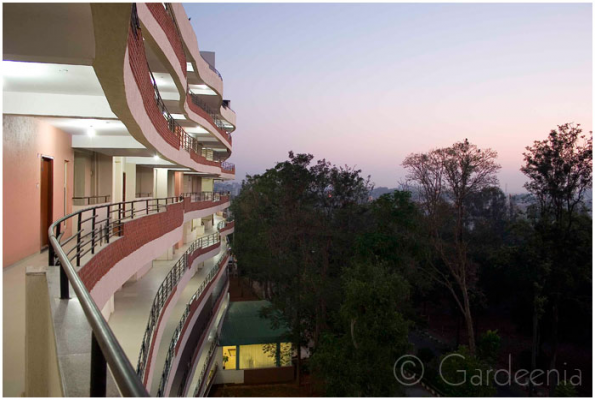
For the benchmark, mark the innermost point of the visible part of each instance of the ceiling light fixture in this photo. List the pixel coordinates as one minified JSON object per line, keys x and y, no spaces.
{"x":91,"y":131}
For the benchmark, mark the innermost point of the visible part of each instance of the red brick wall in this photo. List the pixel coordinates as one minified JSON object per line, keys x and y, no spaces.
{"x":198,"y":252}
{"x":228,"y":226}
{"x":199,"y":158}
{"x":140,"y":70}
{"x":197,"y":110}
{"x":167,"y":24}
{"x":136,"y":233}
{"x":202,"y":205}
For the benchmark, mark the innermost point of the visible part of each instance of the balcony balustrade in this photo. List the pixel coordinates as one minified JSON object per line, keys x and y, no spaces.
{"x":171,"y":131}
{"x":164,"y":292}
{"x":90,"y":200}
{"x":190,"y":307}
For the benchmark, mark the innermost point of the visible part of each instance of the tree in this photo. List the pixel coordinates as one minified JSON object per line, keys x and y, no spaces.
{"x":559,"y":169}
{"x":446,"y":178}
{"x":462,"y":374}
{"x":296,"y":229}
{"x":358,"y":361}
{"x":489,"y":347}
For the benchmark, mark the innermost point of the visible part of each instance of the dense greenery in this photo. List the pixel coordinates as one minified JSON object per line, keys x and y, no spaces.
{"x":354,"y":278}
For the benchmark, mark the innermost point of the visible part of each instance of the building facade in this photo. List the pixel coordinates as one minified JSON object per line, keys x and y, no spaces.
{"x":115,"y":130}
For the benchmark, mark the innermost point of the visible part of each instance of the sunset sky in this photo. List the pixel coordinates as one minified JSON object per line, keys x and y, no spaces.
{"x":365,"y":85}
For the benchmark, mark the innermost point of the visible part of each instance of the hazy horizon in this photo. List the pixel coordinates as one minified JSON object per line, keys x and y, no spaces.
{"x":366,"y":84}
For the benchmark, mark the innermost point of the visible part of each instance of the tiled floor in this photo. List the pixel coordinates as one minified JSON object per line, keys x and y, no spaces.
{"x":13,"y":323}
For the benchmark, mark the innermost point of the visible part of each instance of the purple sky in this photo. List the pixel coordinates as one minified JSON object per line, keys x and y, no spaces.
{"x":367,"y":84}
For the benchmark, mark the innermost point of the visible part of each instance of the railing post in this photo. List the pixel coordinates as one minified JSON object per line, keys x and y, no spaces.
{"x":64,"y":288}
{"x":108,"y":217}
{"x":93,"y":231}
{"x":119,"y":219}
{"x":51,"y":254}
{"x":78,"y":241}
{"x":98,"y":369}
{"x":147,"y":207}
{"x":132,"y":210}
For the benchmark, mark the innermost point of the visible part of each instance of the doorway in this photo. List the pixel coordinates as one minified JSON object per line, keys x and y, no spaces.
{"x":47,"y":195}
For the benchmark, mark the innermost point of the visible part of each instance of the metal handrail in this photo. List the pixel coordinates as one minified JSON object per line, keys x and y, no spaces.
{"x":227,"y":166}
{"x":88,"y":199}
{"x":206,"y":196}
{"x":165,"y":289}
{"x":105,"y":348}
{"x":178,"y":331}
{"x":218,"y":122}
{"x":205,"y":367}
{"x":222,"y":224}
{"x":224,"y":103}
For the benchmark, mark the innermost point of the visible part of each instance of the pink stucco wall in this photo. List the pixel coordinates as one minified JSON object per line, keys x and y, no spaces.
{"x":25,"y":140}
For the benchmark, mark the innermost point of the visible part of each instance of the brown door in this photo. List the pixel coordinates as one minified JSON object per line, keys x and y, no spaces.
{"x":46,"y":190}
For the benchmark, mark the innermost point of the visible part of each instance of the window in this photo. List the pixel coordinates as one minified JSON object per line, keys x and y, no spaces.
{"x":255,"y":356}
{"x":229,"y":357}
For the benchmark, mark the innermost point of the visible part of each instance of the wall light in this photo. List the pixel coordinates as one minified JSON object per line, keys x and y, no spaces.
{"x":155,"y":157}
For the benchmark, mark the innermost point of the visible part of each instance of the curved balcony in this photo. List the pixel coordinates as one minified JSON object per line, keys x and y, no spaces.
{"x":207,"y":73}
{"x":198,"y":107}
{"x":226,"y":227}
{"x":162,"y":13}
{"x":164,"y":33}
{"x":156,"y":117}
{"x":99,"y":248}
{"x":174,"y":283}
{"x":189,"y":329}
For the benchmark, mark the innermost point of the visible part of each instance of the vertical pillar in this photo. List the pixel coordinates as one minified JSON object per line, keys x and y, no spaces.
{"x":160,"y":183}
{"x":118,"y":179}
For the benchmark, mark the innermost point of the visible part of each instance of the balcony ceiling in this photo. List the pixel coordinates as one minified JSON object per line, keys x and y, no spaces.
{"x":48,"y":32}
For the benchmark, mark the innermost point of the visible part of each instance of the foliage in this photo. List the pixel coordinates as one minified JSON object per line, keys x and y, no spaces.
{"x":489,"y":346}
{"x":464,"y":375}
{"x":297,"y":225}
{"x":565,"y":389}
{"x":560,"y":170}
{"x":374,"y":335}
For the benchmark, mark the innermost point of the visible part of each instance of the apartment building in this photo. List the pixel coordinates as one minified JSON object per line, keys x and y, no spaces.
{"x":115,"y":246}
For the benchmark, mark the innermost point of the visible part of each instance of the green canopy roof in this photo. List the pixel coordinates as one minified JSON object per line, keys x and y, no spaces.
{"x":243,"y":325}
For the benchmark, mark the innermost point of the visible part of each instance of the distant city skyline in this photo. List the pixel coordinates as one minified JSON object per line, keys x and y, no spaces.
{"x":367,"y":84}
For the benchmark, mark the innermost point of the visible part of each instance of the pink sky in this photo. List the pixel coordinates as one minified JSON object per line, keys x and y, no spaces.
{"x":366,"y":85}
